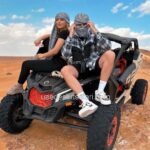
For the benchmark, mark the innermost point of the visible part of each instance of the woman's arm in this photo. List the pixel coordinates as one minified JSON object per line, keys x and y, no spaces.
{"x":37,"y":42}
{"x":52,"y":52}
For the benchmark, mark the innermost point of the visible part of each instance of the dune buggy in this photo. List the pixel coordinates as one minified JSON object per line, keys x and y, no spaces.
{"x":48,"y":98}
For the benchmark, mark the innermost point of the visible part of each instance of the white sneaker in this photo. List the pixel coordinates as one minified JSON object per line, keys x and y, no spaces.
{"x":102,"y":98}
{"x":17,"y":88}
{"x":87,"y":109}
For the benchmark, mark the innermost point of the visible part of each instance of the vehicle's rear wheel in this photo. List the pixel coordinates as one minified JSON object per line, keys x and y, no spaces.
{"x":139,"y":91}
{"x":11,"y":114}
{"x":104,"y":127}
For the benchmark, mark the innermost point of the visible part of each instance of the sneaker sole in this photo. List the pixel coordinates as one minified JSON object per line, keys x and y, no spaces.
{"x":87,"y":113}
{"x":105,"y":102}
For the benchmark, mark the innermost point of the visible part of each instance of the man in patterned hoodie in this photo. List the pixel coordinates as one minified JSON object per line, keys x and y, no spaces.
{"x":86,"y":50}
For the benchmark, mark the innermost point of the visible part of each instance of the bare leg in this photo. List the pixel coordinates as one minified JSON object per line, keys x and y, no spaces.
{"x":70,"y":75}
{"x":106,"y":63}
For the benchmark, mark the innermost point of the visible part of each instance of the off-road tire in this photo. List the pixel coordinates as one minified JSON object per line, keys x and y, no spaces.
{"x":103,"y":128}
{"x":11,"y":114}
{"x":139,"y":91}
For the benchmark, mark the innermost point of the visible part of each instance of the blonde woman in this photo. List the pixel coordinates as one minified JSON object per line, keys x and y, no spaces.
{"x":44,"y":64}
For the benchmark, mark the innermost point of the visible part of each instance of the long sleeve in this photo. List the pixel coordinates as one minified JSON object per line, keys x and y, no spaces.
{"x":103,"y":43}
{"x":67,"y":49}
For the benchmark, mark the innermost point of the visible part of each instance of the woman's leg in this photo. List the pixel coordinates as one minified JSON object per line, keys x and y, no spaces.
{"x":42,"y":50}
{"x":36,"y":66}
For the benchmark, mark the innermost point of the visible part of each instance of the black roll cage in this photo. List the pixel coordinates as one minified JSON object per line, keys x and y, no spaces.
{"x":124,"y":41}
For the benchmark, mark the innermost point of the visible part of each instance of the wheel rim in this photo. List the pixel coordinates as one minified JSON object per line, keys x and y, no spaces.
{"x":144,"y":94}
{"x":17,"y":115}
{"x":112,"y":131}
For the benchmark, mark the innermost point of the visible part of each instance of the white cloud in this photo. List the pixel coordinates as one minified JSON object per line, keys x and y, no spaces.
{"x":46,"y":29}
{"x":143,"y":9}
{"x":18,"y":39}
{"x":48,"y":21}
{"x":15,"y":17}
{"x":127,"y":32}
{"x":125,"y":7}
{"x":116,"y":8}
{"x":40,"y":10}
{"x":130,"y":15}
{"x":2,"y":18}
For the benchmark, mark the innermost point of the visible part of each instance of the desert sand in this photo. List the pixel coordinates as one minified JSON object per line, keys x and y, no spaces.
{"x":134,"y":133}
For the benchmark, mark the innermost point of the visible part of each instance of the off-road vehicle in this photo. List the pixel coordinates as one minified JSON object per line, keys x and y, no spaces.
{"x":48,"y":98}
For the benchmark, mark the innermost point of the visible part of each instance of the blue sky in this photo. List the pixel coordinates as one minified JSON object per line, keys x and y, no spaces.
{"x":21,"y":21}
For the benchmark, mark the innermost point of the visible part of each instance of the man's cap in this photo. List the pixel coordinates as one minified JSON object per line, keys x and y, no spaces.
{"x":81,"y":18}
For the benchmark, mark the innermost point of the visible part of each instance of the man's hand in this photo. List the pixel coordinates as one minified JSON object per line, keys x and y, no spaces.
{"x":71,"y":30}
{"x":92,"y":26}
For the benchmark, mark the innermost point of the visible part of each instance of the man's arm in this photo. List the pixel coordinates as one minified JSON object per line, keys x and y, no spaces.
{"x":102,"y":42}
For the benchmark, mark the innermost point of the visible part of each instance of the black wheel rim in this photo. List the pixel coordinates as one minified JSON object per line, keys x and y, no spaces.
{"x":18,"y":114}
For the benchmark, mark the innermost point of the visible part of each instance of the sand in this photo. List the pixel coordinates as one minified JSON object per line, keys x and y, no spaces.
{"x":134,"y":133}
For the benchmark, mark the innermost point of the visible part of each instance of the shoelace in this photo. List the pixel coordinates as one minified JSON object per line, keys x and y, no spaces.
{"x":104,"y":97}
{"x":87,"y":104}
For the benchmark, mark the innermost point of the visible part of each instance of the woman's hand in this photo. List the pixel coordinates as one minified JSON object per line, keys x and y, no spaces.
{"x":92,"y":26}
{"x":37,"y":42}
{"x":40,"y":56}
{"x":71,"y":30}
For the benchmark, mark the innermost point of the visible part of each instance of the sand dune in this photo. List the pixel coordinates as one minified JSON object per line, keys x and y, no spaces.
{"x":134,"y":132}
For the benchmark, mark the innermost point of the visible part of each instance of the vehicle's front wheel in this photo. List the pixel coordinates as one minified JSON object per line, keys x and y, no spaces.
{"x":11,"y":114}
{"x":139,"y":91}
{"x":103,"y":128}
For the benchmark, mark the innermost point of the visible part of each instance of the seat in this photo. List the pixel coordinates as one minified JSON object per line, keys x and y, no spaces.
{"x":120,"y":65}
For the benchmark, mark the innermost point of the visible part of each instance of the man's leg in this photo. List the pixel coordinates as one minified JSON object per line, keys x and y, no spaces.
{"x":106,"y":63}
{"x":70,"y":75}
